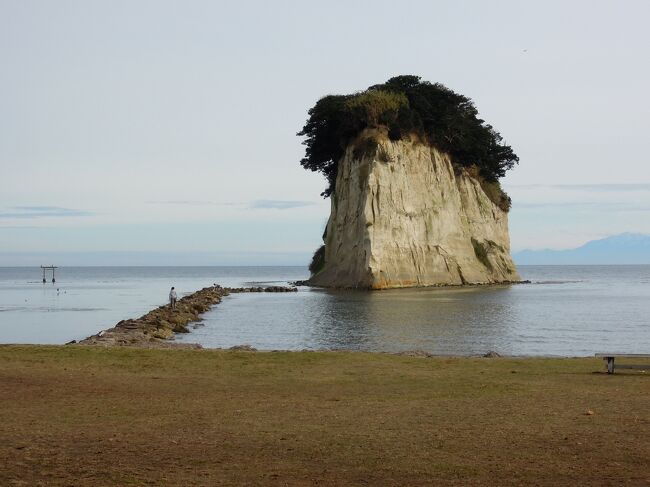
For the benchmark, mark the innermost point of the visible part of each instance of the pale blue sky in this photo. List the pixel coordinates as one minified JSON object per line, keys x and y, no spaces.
{"x":169,"y":126}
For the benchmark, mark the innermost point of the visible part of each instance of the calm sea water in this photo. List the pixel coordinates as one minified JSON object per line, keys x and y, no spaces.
{"x":566,"y":311}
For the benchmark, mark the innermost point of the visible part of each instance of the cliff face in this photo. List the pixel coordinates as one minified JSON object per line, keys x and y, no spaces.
{"x":401,"y":217}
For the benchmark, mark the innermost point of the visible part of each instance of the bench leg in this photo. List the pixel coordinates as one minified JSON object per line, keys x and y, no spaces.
{"x":610,"y":365}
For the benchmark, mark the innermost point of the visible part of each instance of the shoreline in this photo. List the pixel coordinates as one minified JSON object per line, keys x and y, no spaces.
{"x":158,"y":327}
{"x":171,"y":345}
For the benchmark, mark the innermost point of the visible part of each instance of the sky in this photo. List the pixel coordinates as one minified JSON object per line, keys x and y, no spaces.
{"x":165,"y":131}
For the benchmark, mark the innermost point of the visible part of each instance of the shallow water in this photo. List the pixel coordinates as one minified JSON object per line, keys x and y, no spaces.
{"x":85,"y":300}
{"x":567,"y":310}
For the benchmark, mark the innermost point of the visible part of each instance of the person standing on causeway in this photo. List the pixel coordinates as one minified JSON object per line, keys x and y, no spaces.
{"x":172,"y":298}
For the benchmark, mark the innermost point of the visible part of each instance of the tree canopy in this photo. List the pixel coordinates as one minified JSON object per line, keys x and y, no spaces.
{"x":404,"y":105}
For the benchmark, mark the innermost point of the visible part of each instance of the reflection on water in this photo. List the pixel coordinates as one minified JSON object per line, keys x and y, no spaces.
{"x":565,"y":311}
{"x":436,"y":320}
{"x":433,"y":320}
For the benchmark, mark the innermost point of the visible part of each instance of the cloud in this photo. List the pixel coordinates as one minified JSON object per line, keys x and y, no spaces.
{"x":585,"y":187}
{"x":603,"y":198}
{"x":255,"y":205}
{"x":191,"y":203}
{"x":27,"y":212}
{"x":18,"y":227}
{"x":586,"y":205}
{"x":280,"y":204}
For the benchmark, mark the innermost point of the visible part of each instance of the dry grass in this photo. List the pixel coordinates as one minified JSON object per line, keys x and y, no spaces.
{"x":93,"y":416}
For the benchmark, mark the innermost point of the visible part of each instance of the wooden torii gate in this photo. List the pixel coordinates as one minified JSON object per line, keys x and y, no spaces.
{"x":48,"y":268}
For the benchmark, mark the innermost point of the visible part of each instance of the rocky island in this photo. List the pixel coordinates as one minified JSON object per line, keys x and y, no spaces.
{"x":413,"y":179}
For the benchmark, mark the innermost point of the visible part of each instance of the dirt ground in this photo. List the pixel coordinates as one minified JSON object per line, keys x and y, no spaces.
{"x":91,"y":416}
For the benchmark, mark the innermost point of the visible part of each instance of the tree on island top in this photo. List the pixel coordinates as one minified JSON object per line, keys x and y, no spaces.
{"x":407,"y":105}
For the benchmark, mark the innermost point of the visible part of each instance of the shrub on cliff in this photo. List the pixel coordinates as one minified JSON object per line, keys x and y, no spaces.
{"x":317,"y":261}
{"x":404,"y":105}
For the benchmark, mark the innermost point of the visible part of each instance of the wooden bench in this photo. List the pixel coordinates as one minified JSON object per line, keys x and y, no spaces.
{"x":611,"y":357}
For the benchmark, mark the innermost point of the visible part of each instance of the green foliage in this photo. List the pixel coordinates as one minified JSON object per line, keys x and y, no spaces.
{"x":376,"y":107}
{"x":404,"y":105}
{"x":492,"y":189}
{"x":495,"y":192}
{"x":481,"y":253}
{"x":365,"y":147}
{"x":317,"y":261}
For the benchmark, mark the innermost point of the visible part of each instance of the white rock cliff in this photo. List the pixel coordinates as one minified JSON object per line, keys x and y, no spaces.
{"x":402,"y":216}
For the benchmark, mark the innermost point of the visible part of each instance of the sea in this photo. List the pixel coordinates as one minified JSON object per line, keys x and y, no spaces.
{"x":563,"y":311}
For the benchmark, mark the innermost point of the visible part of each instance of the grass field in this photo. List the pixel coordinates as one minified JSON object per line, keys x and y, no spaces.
{"x":87,"y":416}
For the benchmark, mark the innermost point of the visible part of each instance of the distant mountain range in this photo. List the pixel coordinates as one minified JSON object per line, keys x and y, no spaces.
{"x":626,"y":248}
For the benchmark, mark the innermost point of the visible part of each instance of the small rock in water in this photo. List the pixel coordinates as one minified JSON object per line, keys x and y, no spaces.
{"x":415,"y":353}
{"x":180,"y":328}
{"x":491,"y":354}
{"x":243,"y":348}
